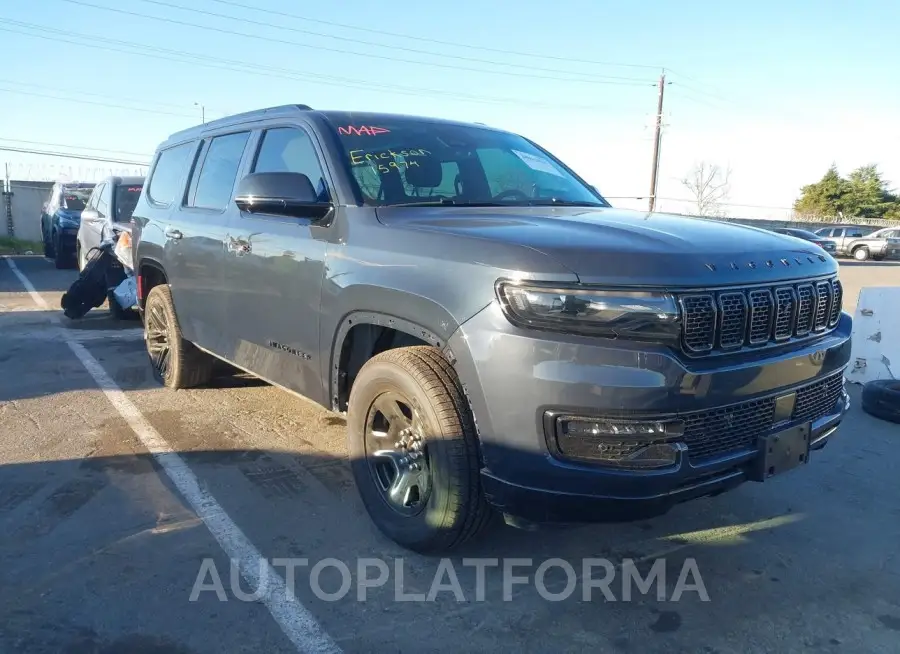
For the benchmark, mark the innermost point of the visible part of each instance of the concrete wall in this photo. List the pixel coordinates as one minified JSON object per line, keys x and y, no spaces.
{"x":27,"y":200}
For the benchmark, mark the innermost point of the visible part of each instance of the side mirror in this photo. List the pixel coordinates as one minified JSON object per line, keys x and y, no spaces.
{"x":90,"y":215}
{"x":286,"y":194}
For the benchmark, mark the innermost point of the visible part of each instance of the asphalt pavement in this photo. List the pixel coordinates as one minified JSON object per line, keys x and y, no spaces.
{"x":122,"y":503}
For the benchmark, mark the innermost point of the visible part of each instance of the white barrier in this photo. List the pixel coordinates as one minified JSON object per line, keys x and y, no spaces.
{"x":875,"y":342}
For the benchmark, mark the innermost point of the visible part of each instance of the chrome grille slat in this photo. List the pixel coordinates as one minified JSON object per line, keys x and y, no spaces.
{"x":699,"y":327}
{"x":806,"y":296}
{"x":732,"y":318}
{"x":785,"y":312}
{"x":823,"y":308}
{"x":837,"y":293}
{"x":760,"y":316}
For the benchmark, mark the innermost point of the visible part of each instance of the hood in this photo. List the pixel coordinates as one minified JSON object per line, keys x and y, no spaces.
{"x":614,"y":246}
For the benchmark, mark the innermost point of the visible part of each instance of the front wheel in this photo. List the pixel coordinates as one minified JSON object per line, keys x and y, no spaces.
{"x":861,"y":254}
{"x":414,"y":452}
{"x":177,"y":363}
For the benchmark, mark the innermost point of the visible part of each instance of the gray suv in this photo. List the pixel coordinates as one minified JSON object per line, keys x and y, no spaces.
{"x":499,"y":337}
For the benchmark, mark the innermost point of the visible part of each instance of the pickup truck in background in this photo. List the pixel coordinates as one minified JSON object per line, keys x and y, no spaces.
{"x":861,"y":243}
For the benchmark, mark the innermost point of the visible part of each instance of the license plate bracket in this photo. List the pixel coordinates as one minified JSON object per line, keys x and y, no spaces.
{"x":782,"y":451}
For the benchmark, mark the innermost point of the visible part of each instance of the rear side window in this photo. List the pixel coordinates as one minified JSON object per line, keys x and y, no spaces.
{"x":126,"y":200}
{"x":219,"y":171}
{"x":167,"y":181}
{"x":290,"y":150}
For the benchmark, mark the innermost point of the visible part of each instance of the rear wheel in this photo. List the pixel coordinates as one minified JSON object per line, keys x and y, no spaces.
{"x":48,"y":246}
{"x":61,"y":258}
{"x":414,"y":451}
{"x":861,"y":254}
{"x":177,"y":363}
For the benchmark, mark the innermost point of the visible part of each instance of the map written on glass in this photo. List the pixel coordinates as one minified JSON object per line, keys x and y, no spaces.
{"x":365,"y":129}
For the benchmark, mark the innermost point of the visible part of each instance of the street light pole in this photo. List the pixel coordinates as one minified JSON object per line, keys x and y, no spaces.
{"x":202,"y":112}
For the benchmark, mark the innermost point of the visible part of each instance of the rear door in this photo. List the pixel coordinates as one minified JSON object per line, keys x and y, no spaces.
{"x":275,"y":266}
{"x":196,"y":239}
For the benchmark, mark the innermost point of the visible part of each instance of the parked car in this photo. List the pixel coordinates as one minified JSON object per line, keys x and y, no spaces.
{"x":823,"y":243}
{"x":60,"y":218}
{"x":108,"y":210}
{"x":858,"y":242}
{"x":497,"y":334}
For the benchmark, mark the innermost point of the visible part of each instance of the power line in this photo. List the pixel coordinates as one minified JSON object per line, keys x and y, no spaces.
{"x":72,"y":156}
{"x":79,"y":147}
{"x":96,"y":104}
{"x":454,"y":44}
{"x":232,"y":66}
{"x":393,"y":47}
{"x":142,"y":102}
{"x":369,"y":56}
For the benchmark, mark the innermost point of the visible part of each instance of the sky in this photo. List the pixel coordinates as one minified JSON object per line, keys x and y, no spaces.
{"x":774,"y":91}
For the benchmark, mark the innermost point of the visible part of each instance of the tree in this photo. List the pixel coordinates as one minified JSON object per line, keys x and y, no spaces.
{"x":863,"y":194}
{"x":825,"y":197}
{"x":709,"y":186}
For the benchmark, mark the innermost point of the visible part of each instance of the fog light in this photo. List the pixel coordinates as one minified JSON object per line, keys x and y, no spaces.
{"x":631,"y":444}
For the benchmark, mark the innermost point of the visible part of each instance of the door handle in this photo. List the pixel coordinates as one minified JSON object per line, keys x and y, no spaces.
{"x":172,"y":233}
{"x":238,"y":246}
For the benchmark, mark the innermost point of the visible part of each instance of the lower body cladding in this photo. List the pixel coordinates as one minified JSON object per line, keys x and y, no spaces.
{"x":574,"y":429}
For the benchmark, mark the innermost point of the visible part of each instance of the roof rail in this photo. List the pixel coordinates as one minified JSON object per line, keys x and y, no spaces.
{"x":281,"y":110}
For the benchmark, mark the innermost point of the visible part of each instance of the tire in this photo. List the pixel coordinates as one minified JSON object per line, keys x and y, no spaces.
{"x":881,"y":398}
{"x":449,"y":507}
{"x":176,"y":363}
{"x":49,"y":252}
{"x":861,"y":253}
{"x":61,"y":259}
{"x":878,"y":258}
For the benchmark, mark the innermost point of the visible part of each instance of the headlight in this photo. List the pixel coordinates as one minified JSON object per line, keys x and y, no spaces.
{"x":644,"y":315}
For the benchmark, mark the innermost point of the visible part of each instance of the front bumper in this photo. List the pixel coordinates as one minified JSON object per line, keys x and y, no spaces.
{"x":514,"y":378}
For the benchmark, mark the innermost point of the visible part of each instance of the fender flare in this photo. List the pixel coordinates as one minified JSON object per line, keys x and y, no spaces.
{"x":370,"y":318}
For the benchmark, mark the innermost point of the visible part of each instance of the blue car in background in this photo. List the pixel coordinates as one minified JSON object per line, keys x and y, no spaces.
{"x":60,"y":219}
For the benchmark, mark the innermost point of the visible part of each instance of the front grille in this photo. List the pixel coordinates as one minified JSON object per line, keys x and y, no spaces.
{"x":738,"y":427}
{"x":732,"y":318}
{"x":819,"y":399}
{"x":728,"y":429}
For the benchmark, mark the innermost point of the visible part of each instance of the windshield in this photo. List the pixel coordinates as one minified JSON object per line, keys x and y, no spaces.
{"x":126,"y":201}
{"x":400,"y":161}
{"x":75,"y":199}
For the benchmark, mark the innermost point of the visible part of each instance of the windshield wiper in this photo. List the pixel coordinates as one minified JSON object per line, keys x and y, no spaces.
{"x":558,"y":202}
{"x":447,"y":202}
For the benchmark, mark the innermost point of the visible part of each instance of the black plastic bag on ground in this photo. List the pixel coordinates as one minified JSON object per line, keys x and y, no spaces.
{"x":90,"y":290}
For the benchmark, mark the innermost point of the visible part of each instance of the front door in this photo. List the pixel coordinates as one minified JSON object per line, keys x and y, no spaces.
{"x":274,"y":271}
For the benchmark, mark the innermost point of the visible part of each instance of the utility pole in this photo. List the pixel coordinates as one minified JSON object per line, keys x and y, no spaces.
{"x":657,"y":137}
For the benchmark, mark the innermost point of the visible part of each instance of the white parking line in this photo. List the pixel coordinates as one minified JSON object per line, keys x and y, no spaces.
{"x":295,"y":620}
